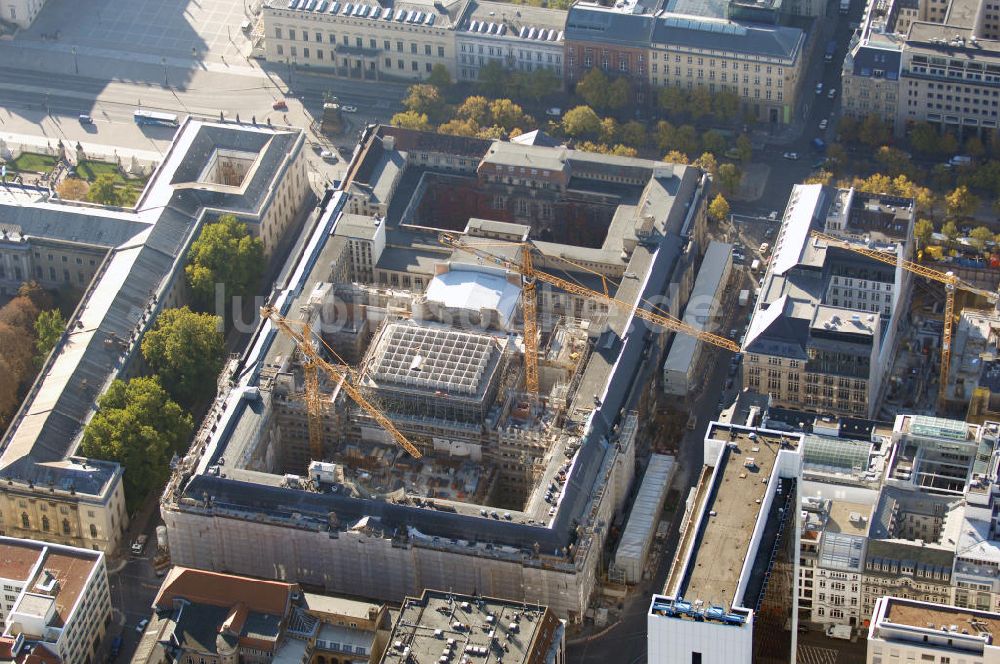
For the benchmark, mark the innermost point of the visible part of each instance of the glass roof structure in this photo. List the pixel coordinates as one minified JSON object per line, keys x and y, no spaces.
{"x":839,"y":454}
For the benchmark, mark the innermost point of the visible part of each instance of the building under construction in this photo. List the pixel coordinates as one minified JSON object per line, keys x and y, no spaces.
{"x":391,"y":426}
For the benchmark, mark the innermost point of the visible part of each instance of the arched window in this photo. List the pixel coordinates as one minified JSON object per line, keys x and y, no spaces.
{"x":45,"y":523}
{"x":321,"y":660}
{"x":93,"y":530}
{"x":25,"y":521}
{"x":65,"y":526}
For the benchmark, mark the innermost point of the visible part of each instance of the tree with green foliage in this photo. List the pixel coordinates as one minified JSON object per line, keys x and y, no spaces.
{"x":950,"y":231}
{"x":686,"y":140}
{"x":138,"y":426}
{"x":714,"y":142}
{"x":620,"y":94}
{"x":699,"y":103}
{"x":729,"y":178}
{"x":665,"y":134}
{"x":894,"y":160}
{"x":718,"y":209}
{"x":540,"y":83}
{"x":581,"y":122}
{"x":493,"y":78}
{"x":225,"y":253}
{"x":744,"y":148}
{"x":594,"y":89}
{"x":980,"y":236}
{"x":634,"y":134}
{"x":924,"y":138}
{"x":961,"y":203}
{"x":848,"y":128}
{"x":411,"y":120}
{"x":104,"y":190}
{"x":424,"y":99}
{"x":439,"y":77}
{"x":923,"y":230}
{"x":672,"y":100}
{"x":974,"y":147}
{"x":49,"y":327}
{"x":725,"y":105}
{"x":947,"y":143}
{"x":873,"y":132}
{"x":186,"y":350}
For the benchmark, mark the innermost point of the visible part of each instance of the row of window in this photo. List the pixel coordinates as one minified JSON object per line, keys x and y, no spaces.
{"x":359,"y":42}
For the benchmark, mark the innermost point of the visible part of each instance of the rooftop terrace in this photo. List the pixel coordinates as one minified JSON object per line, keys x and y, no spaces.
{"x":730,"y":512}
{"x":440,"y":625}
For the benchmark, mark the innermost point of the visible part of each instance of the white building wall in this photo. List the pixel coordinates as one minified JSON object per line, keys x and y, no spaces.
{"x":678,"y":640}
{"x":22,"y":13}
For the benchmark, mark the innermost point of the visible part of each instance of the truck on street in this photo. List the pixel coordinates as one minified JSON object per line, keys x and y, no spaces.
{"x":839,"y":632}
{"x":744,"y":297}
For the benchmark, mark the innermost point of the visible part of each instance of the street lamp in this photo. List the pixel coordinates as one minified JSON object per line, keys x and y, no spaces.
{"x":76,"y":63}
{"x":163,"y":61}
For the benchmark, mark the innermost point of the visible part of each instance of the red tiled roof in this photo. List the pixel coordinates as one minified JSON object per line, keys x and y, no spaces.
{"x":226,"y":590}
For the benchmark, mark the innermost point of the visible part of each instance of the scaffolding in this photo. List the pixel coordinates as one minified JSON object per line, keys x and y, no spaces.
{"x":435,"y":372}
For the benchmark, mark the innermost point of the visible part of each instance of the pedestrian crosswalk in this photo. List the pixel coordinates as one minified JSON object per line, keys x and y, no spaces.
{"x":815,"y":655}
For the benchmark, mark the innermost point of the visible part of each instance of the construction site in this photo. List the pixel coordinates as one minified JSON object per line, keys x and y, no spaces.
{"x":422,"y":407}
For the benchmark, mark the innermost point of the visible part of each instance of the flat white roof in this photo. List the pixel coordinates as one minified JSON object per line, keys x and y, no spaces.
{"x":474,"y":290}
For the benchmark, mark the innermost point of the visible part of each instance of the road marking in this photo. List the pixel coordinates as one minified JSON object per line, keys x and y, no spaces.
{"x":816,"y":655}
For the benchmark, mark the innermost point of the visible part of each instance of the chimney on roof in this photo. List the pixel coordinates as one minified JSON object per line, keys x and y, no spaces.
{"x":388,"y":142}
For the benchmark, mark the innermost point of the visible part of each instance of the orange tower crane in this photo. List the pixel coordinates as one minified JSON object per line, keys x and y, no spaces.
{"x":526,"y":270}
{"x":951,"y":284}
{"x":314,"y":362}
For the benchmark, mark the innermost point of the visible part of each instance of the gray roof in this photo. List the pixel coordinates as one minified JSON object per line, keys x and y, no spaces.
{"x":773,"y":41}
{"x":868,"y":59}
{"x":90,"y":225}
{"x":592,"y":23}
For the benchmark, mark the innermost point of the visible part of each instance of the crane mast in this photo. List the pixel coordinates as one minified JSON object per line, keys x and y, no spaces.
{"x":313,"y":361}
{"x":527,"y":270}
{"x":951,"y":284}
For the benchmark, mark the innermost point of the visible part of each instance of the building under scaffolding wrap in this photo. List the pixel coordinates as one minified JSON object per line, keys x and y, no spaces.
{"x":515,"y":493}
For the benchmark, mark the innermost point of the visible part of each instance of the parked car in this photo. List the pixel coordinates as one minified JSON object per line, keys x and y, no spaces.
{"x":86,"y":119}
{"x":553,"y":112}
{"x":139,"y":545}
{"x":823,"y":124}
{"x":140,"y":626}
{"x":819,"y":88}
{"x":349,"y":109}
{"x":832,"y":93}
{"x":327,"y":155}
{"x":791,"y":155}
{"x":280,"y":105}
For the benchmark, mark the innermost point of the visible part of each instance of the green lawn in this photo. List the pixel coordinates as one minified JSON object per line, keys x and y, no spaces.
{"x":33,"y":162}
{"x":90,"y":170}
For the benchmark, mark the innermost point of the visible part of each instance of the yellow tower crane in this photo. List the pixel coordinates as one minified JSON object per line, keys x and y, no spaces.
{"x":526,"y":270}
{"x":312,"y":364}
{"x":951,"y":284}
